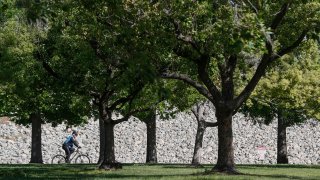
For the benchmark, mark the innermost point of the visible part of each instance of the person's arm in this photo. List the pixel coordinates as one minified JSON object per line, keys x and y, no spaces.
{"x":75,"y":142}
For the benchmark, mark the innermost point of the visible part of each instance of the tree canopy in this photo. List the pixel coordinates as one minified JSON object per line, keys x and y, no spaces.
{"x":26,"y":86}
{"x":291,"y":87}
{"x":223,"y":48}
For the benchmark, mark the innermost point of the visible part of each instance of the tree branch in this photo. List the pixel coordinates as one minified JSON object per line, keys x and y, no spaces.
{"x":128,"y":115}
{"x":184,"y":38}
{"x":244,"y":95}
{"x":211,"y":124}
{"x":231,"y":64}
{"x":202,"y":90}
{"x":48,"y":68}
{"x":203,"y":64}
{"x":265,"y":60}
{"x":280,"y":15}
{"x":293,"y":45}
{"x":182,"y":52}
{"x":126,"y":99}
{"x":96,"y":97}
{"x":252,"y":7}
{"x":126,"y":118}
{"x":226,"y":73}
{"x":194,"y":112}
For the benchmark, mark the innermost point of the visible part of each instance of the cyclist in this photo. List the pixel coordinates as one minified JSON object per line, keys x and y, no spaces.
{"x":67,"y":146}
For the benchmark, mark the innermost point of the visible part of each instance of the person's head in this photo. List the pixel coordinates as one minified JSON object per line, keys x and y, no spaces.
{"x":75,"y":133}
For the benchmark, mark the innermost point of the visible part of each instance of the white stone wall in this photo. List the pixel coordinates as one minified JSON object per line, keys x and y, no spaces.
{"x":175,"y":141}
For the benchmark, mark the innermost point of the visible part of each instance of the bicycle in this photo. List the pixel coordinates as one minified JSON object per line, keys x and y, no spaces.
{"x":79,"y":158}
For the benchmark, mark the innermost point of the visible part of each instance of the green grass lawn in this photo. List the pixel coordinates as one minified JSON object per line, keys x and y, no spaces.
{"x":157,"y":172}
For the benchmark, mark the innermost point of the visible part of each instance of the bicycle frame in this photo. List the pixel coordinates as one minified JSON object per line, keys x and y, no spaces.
{"x":75,"y":153}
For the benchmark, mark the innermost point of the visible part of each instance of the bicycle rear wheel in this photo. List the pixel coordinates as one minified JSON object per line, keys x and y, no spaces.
{"x":82,"y":159}
{"x":58,"y":159}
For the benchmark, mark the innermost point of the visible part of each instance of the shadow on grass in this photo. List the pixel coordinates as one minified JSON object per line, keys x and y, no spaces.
{"x":172,"y":166}
{"x":181,"y":167}
{"x":255,"y":176}
{"x":90,"y":171}
{"x":243,"y":166}
{"x":53,"y":175}
{"x":70,"y":171}
{"x":42,"y":171}
{"x":278,"y":176}
{"x":254,"y":166}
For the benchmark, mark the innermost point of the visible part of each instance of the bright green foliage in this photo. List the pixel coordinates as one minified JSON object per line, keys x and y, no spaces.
{"x":291,"y":87}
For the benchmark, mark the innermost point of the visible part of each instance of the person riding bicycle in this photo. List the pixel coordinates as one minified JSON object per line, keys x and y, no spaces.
{"x":67,"y":146}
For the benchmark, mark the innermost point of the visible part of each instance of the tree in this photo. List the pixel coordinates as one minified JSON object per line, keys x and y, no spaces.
{"x":186,"y":99}
{"x":158,"y":94}
{"x":149,"y":117}
{"x":290,"y":93}
{"x":200,"y":111}
{"x":27,"y":92}
{"x":94,"y":50}
{"x":220,"y":47}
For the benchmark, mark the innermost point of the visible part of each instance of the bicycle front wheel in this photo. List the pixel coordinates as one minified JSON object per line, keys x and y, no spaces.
{"x":58,"y":159}
{"x":82,"y":159}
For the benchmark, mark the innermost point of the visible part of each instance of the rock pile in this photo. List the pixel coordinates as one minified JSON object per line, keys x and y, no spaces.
{"x":175,"y":141}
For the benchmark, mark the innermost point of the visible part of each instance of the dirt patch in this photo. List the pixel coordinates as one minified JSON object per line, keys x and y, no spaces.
{"x":4,"y":120}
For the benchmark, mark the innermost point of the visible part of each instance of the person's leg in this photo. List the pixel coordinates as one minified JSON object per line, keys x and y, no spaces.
{"x":71,"y":150}
{"x":66,"y":149}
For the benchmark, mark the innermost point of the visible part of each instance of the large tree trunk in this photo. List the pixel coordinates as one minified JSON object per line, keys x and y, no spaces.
{"x":198,"y":143}
{"x":225,"y":161}
{"x":36,"y":152}
{"x":102,"y":140}
{"x":109,"y":161}
{"x":282,"y":154}
{"x":151,"y":138}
